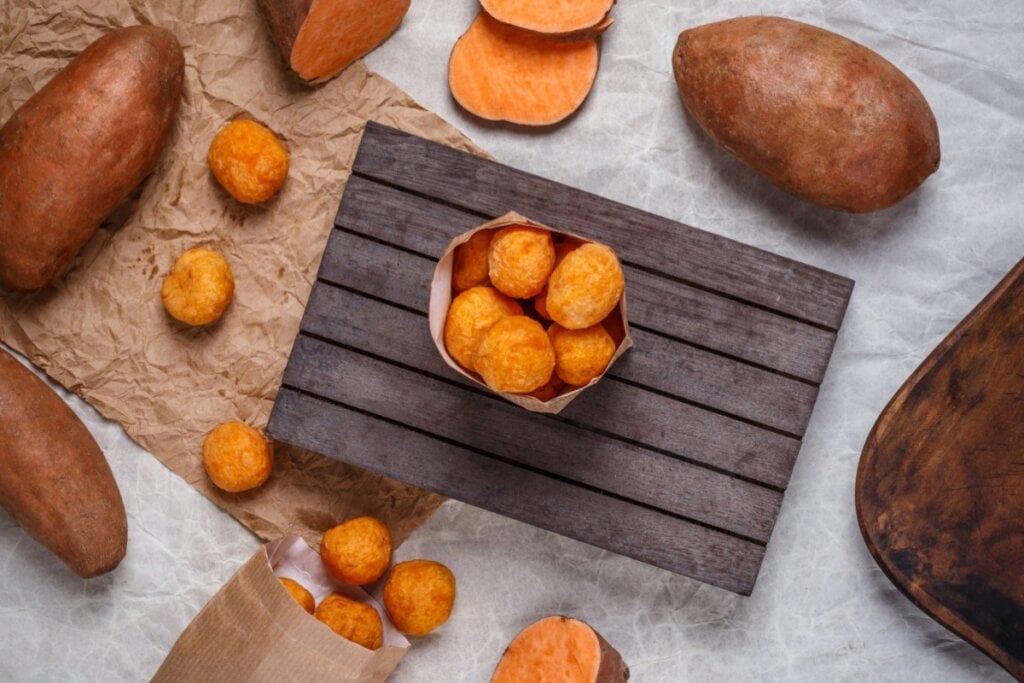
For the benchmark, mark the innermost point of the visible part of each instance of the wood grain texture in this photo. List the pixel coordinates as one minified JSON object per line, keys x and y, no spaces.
{"x":940,"y":486}
{"x":679,"y":457}
{"x":677,"y":250}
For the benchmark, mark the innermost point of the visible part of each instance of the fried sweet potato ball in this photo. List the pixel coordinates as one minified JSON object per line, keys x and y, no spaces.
{"x":581,"y":355}
{"x":585,"y":287}
{"x":352,"y":620}
{"x":419,"y":595}
{"x":298,"y":593}
{"x":470,"y":315}
{"x":237,"y":457}
{"x":248,"y":161}
{"x":550,"y":390}
{"x":357,"y":551}
{"x":198,"y":288}
{"x":470,"y":266}
{"x":521,"y":259}
{"x":515,"y":355}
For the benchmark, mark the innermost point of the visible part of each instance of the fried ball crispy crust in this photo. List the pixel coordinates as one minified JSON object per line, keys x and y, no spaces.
{"x":515,"y":355}
{"x":355,"y":621}
{"x":248,"y":161}
{"x":585,"y":287}
{"x":581,"y":355}
{"x":298,"y":593}
{"x":419,"y":595}
{"x":550,"y":390}
{"x":237,"y":457}
{"x":470,"y":315}
{"x":199,"y":287}
{"x":520,"y":260}
{"x":470,"y":267}
{"x":357,"y":551}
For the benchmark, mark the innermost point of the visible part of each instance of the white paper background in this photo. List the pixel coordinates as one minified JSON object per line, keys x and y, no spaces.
{"x":821,"y":609}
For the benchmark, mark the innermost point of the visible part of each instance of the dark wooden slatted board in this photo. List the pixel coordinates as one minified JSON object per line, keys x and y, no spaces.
{"x":679,"y":457}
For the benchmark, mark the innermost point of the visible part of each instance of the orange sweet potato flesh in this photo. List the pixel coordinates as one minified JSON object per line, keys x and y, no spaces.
{"x":320,"y":38}
{"x":505,"y":74}
{"x":819,"y":115}
{"x":550,"y":17}
{"x":54,"y":480}
{"x":78,"y":147}
{"x":560,"y":649}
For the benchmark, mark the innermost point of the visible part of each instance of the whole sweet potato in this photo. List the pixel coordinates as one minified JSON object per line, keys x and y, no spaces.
{"x":819,"y":115}
{"x":78,"y":147}
{"x":54,"y":480}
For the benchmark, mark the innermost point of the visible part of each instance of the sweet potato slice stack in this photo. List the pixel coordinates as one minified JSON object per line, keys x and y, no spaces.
{"x":559,"y":648}
{"x":319,"y":38}
{"x":553,"y":18}
{"x":504,"y":74}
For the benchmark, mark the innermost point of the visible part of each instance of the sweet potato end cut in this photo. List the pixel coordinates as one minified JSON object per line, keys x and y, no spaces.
{"x":554,"y":17}
{"x":504,"y":74}
{"x":559,"y":648}
{"x":336,"y":33}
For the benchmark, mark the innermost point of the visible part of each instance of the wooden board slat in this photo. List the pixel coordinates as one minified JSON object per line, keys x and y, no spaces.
{"x":679,"y":457}
{"x":656,"y":303}
{"x":679,"y":250}
{"x":639,"y":532}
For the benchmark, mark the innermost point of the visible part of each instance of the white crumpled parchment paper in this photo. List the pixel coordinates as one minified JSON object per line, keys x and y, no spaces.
{"x":822,"y":610}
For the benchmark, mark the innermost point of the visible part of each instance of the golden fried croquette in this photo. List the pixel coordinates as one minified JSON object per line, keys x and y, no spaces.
{"x":419,"y":595}
{"x":357,"y":551}
{"x":470,"y":266}
{"x":470,"y":315}
{"x":581,"y":355}
{"x":198,"y":288}
{"x":550,"y":390}
{"x":237,"y":457}
{"x":540,"y":304}
{"x":521,"y":259}
{"x":515,"y":355}
{"x":355,"y":621}
{"x":585,"y":287}
{"x":248,"y":161}
{"x":298,"y":593}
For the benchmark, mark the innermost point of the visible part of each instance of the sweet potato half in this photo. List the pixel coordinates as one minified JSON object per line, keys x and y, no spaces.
{"x":505,"y":74}
{"x":559,"y":648}
{"x":320,"y":38}
{"x":822,"y":117}
{"x":54,"y":480}
{"x":78,"y":147}
{"x":553,"y":18}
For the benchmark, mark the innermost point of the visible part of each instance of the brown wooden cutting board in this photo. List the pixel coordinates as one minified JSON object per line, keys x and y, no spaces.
{"x":679,"y":457}
{"x":940,"y":487}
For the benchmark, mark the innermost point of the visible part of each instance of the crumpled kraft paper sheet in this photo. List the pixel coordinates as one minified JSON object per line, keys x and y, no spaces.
{"x":103,"y":332}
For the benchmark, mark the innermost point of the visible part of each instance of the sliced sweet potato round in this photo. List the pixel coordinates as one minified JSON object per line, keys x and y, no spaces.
{"x":552,"y":18}
{"x":505,"y":74}
{"x":559,"y":648}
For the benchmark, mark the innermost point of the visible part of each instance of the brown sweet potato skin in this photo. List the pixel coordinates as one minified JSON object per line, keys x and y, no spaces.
{"x":78,"y":147}
{"x":819,"y":115}
{"x":54,"y":480}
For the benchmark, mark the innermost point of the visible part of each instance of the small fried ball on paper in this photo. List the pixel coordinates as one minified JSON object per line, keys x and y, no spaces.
{"x":520,"y":261}
{"x":550,"y":390}
{"x":540,"y":304}
{"x":357,"y":551}
{"x":585,"y":287}
{"x":419,"y":595}
{"x":581,"y":355}
{"x":470,"y":265}
{"x":237,"y":457}
{"x":199,"y":287}
{"x":515,"y":355}
{"x":248,"y":161}
{"x":352,"y":620}
{"x":470,"y":315}
{"x":298,"y":593}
